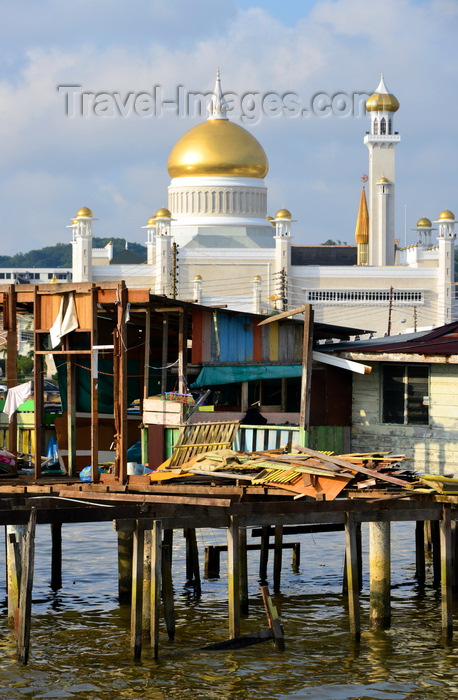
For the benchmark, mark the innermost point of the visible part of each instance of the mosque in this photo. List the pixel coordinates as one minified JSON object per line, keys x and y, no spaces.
{"x":215,"y":244}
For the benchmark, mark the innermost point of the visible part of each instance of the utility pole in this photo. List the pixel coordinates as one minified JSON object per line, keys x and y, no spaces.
{"x":390,"y":308}
{"x":174,"y":271}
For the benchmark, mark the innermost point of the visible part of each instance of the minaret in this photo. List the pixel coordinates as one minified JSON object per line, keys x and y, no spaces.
{"x":82,"y":245}
{"x":446,"y":272}
{"x":282,"y":221}
{"x":362,"y":230}
{"x":163,"y":258}
{"x":150,"y":236}
{"x":381,"y":142}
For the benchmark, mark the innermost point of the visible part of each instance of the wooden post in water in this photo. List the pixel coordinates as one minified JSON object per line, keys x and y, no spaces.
{"x":296,"y":562}
{"x":380,"y":574}
{"x":243,"y":571}
{"x":125,"y":530}
{"x":192,"y":561}
{"x":212,"y":561}
{"x":15,"y":535}
{"x":167,"y":583}
{"x":352,"y":574}
{"x":146,"y":606}
{"x":25,"y":596}
{"x":137,"y":590}
{"x":264,"y":556}
{"x":446,"y":572}
{"x":435,"y":538}
{"x":56,"y":556}
{"x":278,"y":551}
{"x":233,"y":576}
{"x":420,"y":552}
{"x":156,"y":567}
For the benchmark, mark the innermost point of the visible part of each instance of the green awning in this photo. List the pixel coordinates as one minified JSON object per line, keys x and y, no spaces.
{"x":231,"y":374}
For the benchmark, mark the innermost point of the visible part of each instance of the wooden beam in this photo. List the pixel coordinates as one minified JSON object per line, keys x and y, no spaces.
{"x":306,"y":368}
{"x":284,"y":314}
{"x":137,"y":590}
{"x":352,"y":575}
{"x":446,"y":573}
{"x":94,"y":390}
{"x":156,"y":567}
{"x":233,"y":577}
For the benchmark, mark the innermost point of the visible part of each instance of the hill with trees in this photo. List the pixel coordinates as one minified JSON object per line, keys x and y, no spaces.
{"x":60,"y":255}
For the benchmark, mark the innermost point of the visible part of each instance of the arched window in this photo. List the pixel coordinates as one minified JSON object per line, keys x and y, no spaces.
{"x":383,"y":126}
{"x":389,"y":126}
{"x":376,"y":127}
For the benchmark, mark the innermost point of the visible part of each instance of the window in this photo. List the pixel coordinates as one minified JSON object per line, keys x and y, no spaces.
{"x":405,"y":390}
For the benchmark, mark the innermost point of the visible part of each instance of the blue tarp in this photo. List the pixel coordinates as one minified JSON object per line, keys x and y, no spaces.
{"x":231,"y":374}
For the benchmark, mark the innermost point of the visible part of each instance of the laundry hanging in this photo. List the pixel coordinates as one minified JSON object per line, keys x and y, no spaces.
{"x":66,"y":321}
{"x":16,"y":397}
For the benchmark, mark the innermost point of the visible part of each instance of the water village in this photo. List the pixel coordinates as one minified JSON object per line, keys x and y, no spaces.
{"x":173,"y":417}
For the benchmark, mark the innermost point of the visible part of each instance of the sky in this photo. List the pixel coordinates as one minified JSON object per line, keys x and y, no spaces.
{"x":283,"y":63}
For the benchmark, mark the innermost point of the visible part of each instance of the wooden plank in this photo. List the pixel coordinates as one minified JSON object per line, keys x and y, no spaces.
{"x":272,"y":618}
{"x":284,"y":314}
{"x":350,"y":466}
{"x":94,"y":389}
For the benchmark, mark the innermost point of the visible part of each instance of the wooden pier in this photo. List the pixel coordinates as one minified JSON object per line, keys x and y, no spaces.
{"x":147,"y":519}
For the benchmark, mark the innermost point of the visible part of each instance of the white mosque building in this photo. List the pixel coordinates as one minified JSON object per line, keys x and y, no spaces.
{"x":231,"y":253}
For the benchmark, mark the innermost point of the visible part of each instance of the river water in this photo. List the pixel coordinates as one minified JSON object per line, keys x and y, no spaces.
{"x":80,"y":634}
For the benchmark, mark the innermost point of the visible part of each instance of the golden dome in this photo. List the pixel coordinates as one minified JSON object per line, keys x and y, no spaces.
{"x":197,"y":278}
{"x":383,"y":180}
{"x":217,"y":147}
{"x":283,"y":214}
{"x":382,"y":103}
{"x":447,"y":214}
{"x":151,"y":221}
{"x":163,"y":213}
{"x":257,"y":278}
{"x":382,"y":100}
{"x":84,"y":211}
{"x":424,"y":223}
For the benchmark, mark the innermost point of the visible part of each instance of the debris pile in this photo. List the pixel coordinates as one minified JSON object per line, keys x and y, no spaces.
{"x":303,"y":472}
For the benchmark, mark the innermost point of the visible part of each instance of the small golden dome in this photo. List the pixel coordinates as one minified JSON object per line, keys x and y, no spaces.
{"x":424,"y":223}
{"x":84,"y":211}
{"x":163,"y":214}
{"x":217,"y":147}
{"x":151,"y":221}
{"x":447,"y":214}
{"x":283,"y":214}
{"x":382,"y":103}
{"x":383,"y":180}
{"x":197,"y":278}
{"x":257,"y":278}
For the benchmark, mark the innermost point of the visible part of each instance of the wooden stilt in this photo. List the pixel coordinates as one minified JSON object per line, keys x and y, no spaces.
{"x":264,"y":557}
{"x":146,"y":607}
{"x":278,"y":550}
{"x":212,"y":561}
{"x":125,"y":530}
{"x":435,"y":538}
{"x":15,"y":535}
{"x":243,"y":571}
{"x":420,"y":552}
{"x":296,"y":556}
{"x":428,"y":537}
{"x":167,"y":584}
{"x":359,"y":554}
{"x":56,"y":556}
{"x":352,"y":574}
{"x":156,"y":567}
{"x":446,"y":572}
{"x":137,"y":590}
{"x":233,"y":577}
{"x":25,"y":596}
{"x":192,"y":561}
{"x":380,"y":574}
